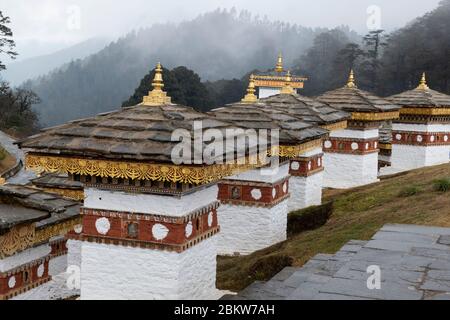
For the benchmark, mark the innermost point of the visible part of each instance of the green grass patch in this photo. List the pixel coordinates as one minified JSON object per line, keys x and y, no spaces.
{"x":442,"y":185}
{"x":410,"y":191}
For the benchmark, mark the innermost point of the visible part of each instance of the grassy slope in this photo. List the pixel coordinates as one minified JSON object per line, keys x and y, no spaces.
{"x":359,"y":213}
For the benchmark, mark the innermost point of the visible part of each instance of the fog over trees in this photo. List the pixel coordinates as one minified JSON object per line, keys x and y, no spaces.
{"x":217,"y":45}
{"x":384,"y":63}
{"x":218,"y":50}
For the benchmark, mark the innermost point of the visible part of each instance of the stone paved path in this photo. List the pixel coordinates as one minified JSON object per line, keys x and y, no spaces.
{"x":414,"y":263}
{"x":23,"y":177}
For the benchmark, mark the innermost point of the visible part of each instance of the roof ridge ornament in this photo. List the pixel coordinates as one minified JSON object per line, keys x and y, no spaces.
{"x":250,"y":97}
{"x":279,"y":67}
{"x":351,"y":80}
{"x":423,"y":83}
{"x":157,"y":96}
{"x":287,"y":88}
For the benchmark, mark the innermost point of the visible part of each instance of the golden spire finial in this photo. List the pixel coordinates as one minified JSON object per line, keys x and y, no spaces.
{"x":250,"y":97}
{"x":157,"y":96}
{"x":423,"y":82}
{"x":287,"y":88}
{"x":158,"y":82}
{"x":351,"y":80}
{"x":279,"y":67}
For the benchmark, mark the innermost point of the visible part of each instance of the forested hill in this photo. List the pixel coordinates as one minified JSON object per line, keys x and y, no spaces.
{"x":384,"y":63}
{"x":423,"y":45}
{"x":217,"y":45}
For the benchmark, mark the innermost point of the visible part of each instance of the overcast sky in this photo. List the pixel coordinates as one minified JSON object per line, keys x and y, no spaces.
{"x":43,"y":26}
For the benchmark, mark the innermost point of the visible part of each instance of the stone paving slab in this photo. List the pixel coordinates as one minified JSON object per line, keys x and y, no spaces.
{"x":414,"y":263}
{"x":389,"y":290}
{"x":285,"y":274}
{"x":416,"y":229}
{"x":406,"y":237}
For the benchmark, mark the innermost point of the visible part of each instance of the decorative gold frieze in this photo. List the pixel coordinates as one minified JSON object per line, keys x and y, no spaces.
{"x":335,"y":126}
{"x":157,"y":172}
{"x":20,"y":238}
{"x":134,"y":171}
{"x":17,"y":239}
{"x":77,"y":195}
{"x":278,"y":82}
{"x":298,"y":150}
{"x":375,"y":116}
{"x":425,"y":111}
{"x":60,"y":229}
{"x":385,"y":146}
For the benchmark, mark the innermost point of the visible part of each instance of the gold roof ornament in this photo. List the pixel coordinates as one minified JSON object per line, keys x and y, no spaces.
{"x":157,"y":96}
{"x":351,"y":80}
{"x":287,"y":88}
{"x":423,"y":83}
{"x":2,"y":181}
{"x":250,"y":97}
{"x":279,"y":68}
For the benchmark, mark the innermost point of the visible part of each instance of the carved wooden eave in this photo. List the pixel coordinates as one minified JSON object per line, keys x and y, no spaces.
{"x":190,"y":174}
{"x":341,"y":125}
{"x":23,"y":237}
{"x":420,"y":111}
{"x":375,"y":116}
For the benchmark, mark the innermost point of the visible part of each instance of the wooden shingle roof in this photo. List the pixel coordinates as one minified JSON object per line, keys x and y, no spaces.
{"x":351,"y":99}
{"x":306,"y":109}
{"x":422,"y":97}
{"x":260,"y":115}
{"x":23,"y":205}
{"x":140,"y":133}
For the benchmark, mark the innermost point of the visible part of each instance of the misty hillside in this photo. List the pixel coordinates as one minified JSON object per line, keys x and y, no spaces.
{"x":30,"y":68}
{"x":216,"y":45}
{"x":423,"y":45}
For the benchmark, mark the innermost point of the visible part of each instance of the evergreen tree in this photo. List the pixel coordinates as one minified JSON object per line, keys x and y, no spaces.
{"x":181,"y":84}
{"x":374,"y":41}
{"x":7,"y":44}
{"x":319,"y":62}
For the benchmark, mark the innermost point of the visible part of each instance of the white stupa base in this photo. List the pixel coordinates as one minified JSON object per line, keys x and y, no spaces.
{"x":57,"y":265}
{"x":305,"y":191}
{"x":74,"y":253}
{"x":246,"y":229}
{"x":125,"y":273}
{"x":344,"y":171}
{"x":409,"y":157}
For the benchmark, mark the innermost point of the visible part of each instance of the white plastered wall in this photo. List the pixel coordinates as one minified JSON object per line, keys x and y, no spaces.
{"x":149,"y":203}
{"x":247,"y":229}
{"x":408,"y":157}
{"x":343,"y":171}
{"x":305,"y":191}
{"x":118,"y":272}
{"x":125,"y":273}
{"x":265,"y":92}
